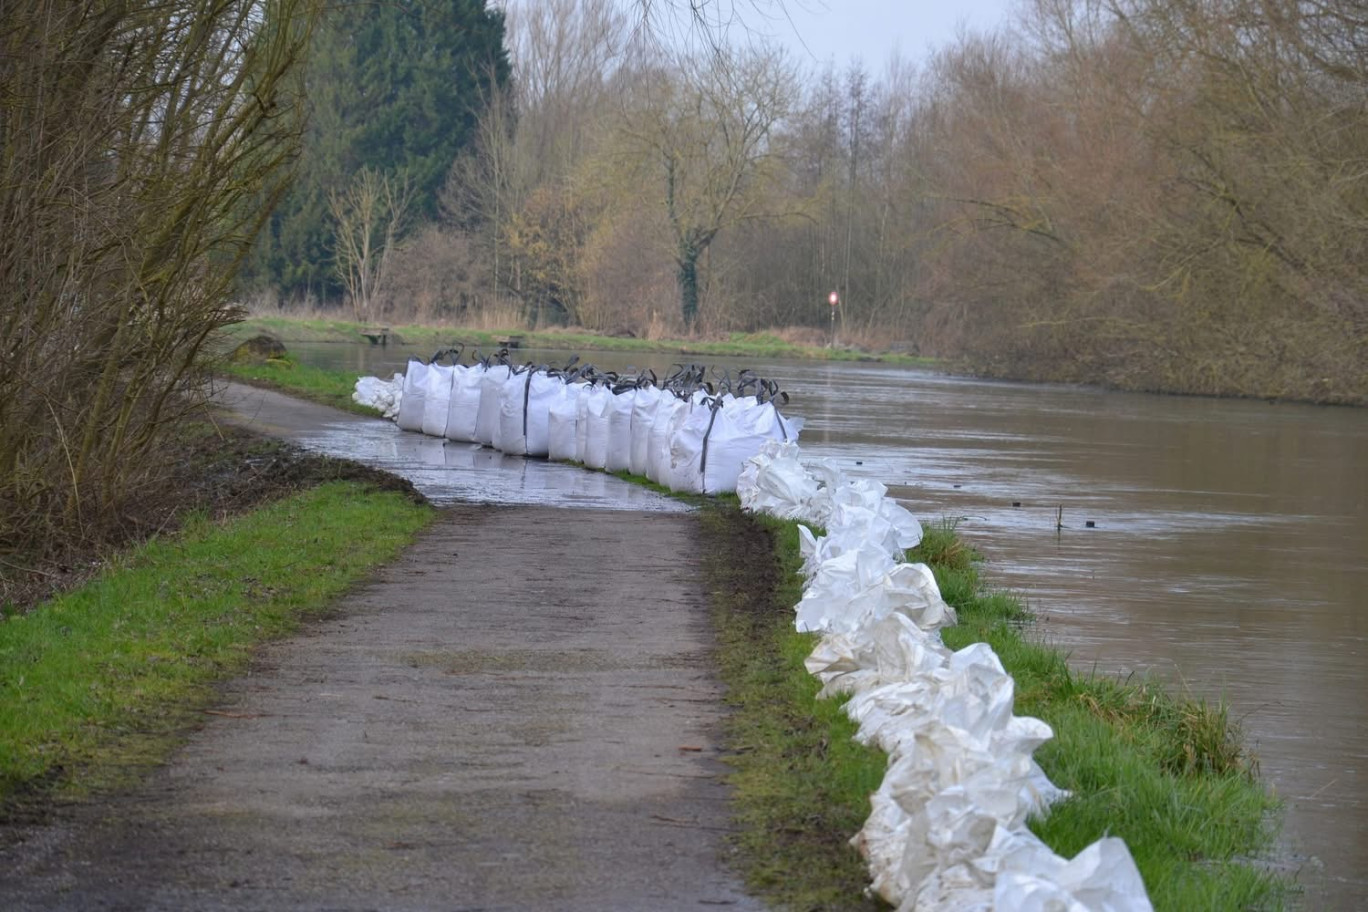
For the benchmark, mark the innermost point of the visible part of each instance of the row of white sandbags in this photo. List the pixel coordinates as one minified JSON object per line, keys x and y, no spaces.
{"x":696,"y":444}
{"x":948,"y":827}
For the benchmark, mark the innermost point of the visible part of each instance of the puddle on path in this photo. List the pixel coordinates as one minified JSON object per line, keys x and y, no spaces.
{"x":444,"y":471}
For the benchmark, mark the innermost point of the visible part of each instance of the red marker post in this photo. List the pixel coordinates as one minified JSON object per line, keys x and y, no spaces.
{"x":834,"y":300}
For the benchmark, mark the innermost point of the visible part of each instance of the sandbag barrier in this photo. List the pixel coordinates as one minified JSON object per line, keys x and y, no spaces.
{"x":948,"y":827}
{"x":690,"y":431}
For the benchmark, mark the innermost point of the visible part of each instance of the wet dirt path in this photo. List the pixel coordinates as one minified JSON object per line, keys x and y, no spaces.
{"x":520,"y":713}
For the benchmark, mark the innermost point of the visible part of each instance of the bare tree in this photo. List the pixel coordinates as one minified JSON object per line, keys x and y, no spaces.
{"x":141,"y":147}
{"x":707,"y":130}
{"x":369,"y":217}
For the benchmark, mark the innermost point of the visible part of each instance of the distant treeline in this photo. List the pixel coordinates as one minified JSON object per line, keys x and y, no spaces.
{"x":1151,"y":194}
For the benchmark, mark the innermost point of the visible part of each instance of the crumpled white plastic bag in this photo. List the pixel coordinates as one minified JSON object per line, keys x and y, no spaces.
{"x":888,"y":651}
{"x":864,"y":585}
{"x":381,"y":395}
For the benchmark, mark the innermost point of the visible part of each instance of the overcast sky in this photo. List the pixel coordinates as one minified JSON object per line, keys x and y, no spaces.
{"x":822,"y":30}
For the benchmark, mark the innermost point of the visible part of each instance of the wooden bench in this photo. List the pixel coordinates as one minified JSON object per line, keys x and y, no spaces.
{"x":378,"y":335}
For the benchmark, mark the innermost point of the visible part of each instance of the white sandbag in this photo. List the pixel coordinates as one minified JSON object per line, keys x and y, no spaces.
{"x":860,"y":509}
{"x":382,"y":395}
{"x":947,"y":832}
{"x":491,"y":385}
{"x":1101,"y":878}
{"x":864,"y":585}
{"x":669,"y":415}
{"x":690,"y":440}
{"x":436,"y":399}
{"x":618,"y":456}
{"x":643,"y":418}
{"x":411,"y":405}
{"x":773,"y":481}
{"x":582,"y":420}
{"x":709,"y":450}
{"x":508,"y":435}
{"x":970,"y":693}
{"x":561,"y":421}
{"x":593,"y":416}
{"x":463,"y":409}
{"x":888,"y":651}
{"x":524,"y":412}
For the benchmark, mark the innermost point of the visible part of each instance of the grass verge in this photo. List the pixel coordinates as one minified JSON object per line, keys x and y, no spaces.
{"x":332,"y":388}
{"x":1167,"y":775}
{"x":103,"y":681}
{"x":431,"y":338}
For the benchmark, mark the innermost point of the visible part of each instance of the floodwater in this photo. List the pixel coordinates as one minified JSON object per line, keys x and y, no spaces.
{"x":444,"y":471}
{"x":1221,"y":545}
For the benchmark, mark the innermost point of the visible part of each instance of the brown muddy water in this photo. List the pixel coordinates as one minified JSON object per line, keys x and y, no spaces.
{"x":1221,"y":545}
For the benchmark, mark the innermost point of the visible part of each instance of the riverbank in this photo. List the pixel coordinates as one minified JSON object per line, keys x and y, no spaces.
{"x":1169,"y":776}
{"x":427,"y":339}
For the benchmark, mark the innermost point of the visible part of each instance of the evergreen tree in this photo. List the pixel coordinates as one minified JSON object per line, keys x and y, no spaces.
{"x":396,"y":86}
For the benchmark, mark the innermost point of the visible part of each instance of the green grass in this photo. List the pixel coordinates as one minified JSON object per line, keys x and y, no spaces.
{"x":105,"y":680}
{"x":430,"y":338}
{"x":1167,"y":775}
{"x":800,"y":784}
{"x":333,"y":388}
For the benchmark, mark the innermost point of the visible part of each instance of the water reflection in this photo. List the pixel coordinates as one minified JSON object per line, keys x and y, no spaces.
{"x":445,"y":472}
{"x":1227,"y":552}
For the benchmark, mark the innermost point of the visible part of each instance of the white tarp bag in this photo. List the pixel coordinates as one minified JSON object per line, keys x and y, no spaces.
{"x":773,"y":481}
{"x":947,"y":829}
{"x":411,"y":405}
{"x":594,"y":419}
{"x":436,"y":399}
{"x":669,"y":415}
{"x":464,"y":407}
{"x":524,"y":412}
{"x":710,"y":450}
{"x":382,"y":395}
{"x":643,"y":418}
{"x":561,"y":421}
{"x":618,"y":455}
{"x":1101,"y":878}
{"x":491,"y":385}
{"x":688,"y":443}
{"x":887,"y":651}
{"x":582,"y":420}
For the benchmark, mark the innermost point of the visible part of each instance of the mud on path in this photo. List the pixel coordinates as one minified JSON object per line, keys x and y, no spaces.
{"x":518,"y":714}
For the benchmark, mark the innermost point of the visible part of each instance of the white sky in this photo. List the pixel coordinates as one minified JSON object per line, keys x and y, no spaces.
{"x":820,"y":30}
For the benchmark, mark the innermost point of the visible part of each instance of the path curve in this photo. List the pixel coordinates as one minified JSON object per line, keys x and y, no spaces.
{"x":520,"y":713}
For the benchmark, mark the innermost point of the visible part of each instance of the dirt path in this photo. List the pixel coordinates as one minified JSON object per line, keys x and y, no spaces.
{"x":519,"y":714}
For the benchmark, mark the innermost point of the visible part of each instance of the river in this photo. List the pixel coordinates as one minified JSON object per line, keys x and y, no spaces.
{"x":1221,"y":545}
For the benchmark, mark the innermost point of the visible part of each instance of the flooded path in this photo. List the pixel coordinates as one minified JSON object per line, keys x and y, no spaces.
{"x":446,"y":472}
{"x":1228,"y":552}
{"x":521,"y":712}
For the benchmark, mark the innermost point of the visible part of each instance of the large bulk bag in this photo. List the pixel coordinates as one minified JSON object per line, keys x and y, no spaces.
{"x":463,"y":408}
{"x":510,"y":391}
{"x":618,"y":455}
{"x":711,"y":448}
{"x":670,"y":414}
{"x":561,"y":421}
{"x":582,"y":420}
{"x":524,"y":412}
{"x":491,"y":384}
{"x":437,"y":397}
{"x":643,"y":417}
{"x":595,"y":420}
{"x":411,"y":405}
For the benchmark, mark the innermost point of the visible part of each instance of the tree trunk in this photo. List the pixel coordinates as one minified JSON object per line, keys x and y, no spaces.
{"x":688,"y":286}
